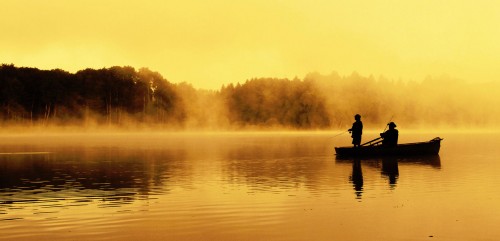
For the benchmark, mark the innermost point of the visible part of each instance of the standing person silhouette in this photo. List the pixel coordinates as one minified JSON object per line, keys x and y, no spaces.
{"x":356,"y":131}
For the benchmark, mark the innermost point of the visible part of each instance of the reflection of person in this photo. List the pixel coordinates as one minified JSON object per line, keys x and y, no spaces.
{"x":390,"y":137}
{"x":390,"y":168}
{"x":357,"y":177}
{"x":356,"y":131}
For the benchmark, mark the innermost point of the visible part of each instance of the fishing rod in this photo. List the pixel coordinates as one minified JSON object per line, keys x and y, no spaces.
{"x":388,"y":124}
{"x":372,"y":142}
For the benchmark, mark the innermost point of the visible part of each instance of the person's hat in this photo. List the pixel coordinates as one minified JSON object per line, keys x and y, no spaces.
{"x":392,"y":124}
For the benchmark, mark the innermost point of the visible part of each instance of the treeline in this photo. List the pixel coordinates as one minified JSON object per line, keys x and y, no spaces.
{"x":123,"y":96}
{"x":277,"y":102}
{"x":105,"y":96}
{"x":330,"y":101}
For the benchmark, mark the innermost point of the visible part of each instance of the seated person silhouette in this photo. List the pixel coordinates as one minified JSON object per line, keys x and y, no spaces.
{"x":390,"y":137}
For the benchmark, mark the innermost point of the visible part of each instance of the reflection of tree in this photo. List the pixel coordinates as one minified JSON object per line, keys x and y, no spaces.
{"x":273,"y":167}
{"x":82,"y":175}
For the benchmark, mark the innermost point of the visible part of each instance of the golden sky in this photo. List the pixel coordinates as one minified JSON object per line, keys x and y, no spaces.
{"x":211,"y":43}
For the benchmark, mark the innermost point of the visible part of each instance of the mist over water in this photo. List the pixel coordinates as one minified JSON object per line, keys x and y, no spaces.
{"x":243,"y":186}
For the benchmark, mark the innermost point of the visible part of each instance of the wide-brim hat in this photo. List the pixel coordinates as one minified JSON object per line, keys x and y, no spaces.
{"x":392,"y":124}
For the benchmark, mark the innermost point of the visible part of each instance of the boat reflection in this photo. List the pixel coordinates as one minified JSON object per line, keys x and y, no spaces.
{"x":425,"y":160}
{"x":388,"y":165}
{"x":431,"y":160}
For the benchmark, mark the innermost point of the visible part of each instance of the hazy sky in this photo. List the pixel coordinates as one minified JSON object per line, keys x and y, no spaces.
{"x":210,"y":43}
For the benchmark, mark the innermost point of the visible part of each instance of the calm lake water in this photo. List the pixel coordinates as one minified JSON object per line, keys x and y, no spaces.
{"x":244,"y":186}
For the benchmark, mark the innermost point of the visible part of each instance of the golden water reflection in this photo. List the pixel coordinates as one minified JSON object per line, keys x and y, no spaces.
{"x":236,"y":187}
{"x":388,"y":165}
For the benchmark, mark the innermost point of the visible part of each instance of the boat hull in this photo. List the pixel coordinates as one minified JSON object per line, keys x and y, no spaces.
{"x":409,"y":149}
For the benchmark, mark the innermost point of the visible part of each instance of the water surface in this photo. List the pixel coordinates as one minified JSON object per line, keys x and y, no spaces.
{"x":244,"y":186}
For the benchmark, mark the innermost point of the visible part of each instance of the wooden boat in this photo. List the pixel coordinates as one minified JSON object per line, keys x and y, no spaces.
{"x":375,"y":148}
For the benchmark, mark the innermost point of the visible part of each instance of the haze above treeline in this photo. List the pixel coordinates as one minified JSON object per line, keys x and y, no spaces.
{"x":130,"y":98}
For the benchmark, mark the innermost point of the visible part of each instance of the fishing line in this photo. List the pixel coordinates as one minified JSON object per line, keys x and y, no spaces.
{"x":338,"y":134}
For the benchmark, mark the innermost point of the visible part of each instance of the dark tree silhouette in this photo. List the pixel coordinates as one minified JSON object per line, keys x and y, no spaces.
{"x":29,"y":94}
{"x":123,"y":95}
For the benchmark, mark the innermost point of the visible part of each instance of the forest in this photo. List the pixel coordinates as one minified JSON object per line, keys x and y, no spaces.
{"x":126,"y":97}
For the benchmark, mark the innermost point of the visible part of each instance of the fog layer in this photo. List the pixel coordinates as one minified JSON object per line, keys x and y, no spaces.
{"x":125,"y":97}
